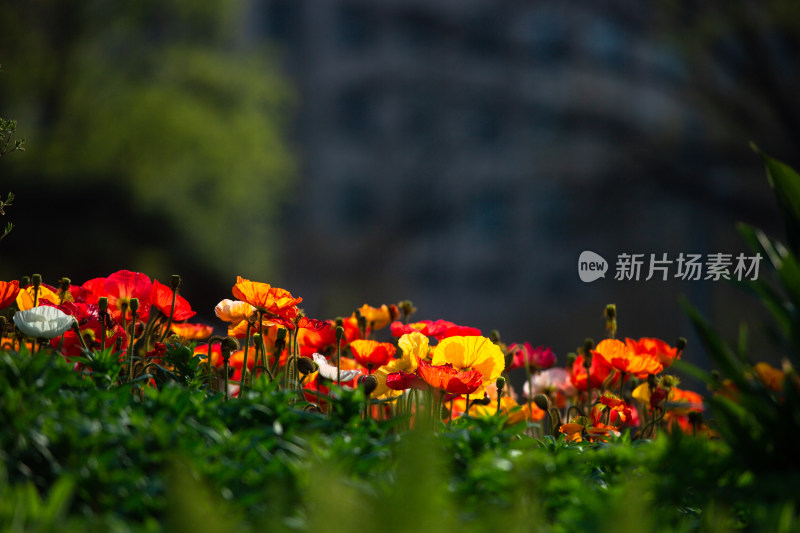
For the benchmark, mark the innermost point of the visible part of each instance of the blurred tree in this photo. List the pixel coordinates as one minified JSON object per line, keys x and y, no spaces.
{"x":155,"y":135}
{"x":744,"y":61}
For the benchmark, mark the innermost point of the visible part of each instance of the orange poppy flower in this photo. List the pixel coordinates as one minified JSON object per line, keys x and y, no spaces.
{"x":192,"y":331}
{"x":161,"y":299}
{"x":270,"y":300}
{"x":46,"y":293}
{"x":372,"y":354}
{"x":623,"y":359}
{"x":771,"y":377}
{"x":378,"y":317}
{"x":8,"y":292}
{"x":313,"y":341}
{"x":449,"y":379}
{"x":471,"y":353}
{"x":657,"y":348}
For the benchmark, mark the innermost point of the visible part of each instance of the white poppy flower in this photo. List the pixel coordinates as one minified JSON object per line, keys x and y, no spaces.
{"x":328,"y":371}
{"x":547,"y":381}
{"x":43,"y":322}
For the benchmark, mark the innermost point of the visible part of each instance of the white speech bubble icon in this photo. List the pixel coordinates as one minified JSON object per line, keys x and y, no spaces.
{"x":591,"y":266}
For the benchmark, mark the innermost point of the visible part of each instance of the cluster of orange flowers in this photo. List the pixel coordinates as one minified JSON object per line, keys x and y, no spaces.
{"x":601,"y":390}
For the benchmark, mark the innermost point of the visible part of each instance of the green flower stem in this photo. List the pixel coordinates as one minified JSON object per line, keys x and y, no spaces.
{"x":130,"y":345}
{"x":171,"y":314}
{"x":243,"y":377}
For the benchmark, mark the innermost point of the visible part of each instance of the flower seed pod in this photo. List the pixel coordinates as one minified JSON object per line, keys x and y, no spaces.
{"x":368,"y":384}
{"x":175,"y":281}
{"x":134,"y":304}
{"x":500,"y":383}
{"x":102,"y":304}
{"x":36,"y":279}
{"x":281,"y":335}
{"x":306,"y":365}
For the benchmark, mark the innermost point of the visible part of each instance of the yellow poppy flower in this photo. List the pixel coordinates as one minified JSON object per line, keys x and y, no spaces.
{"x":25,"y":297}
{"x":414,"y":345}
{"x":471,"y":353}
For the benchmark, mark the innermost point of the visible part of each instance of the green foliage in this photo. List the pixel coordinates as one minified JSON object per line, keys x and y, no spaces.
{"x":79,"y":456}
{"x":760,"y":424}
{"x":165,"y":106}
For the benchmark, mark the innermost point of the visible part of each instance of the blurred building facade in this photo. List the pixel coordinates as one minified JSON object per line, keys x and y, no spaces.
{"x":463,"y":153}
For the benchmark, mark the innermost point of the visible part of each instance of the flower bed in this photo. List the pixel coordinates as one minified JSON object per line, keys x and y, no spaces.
{"x":121,"y":413}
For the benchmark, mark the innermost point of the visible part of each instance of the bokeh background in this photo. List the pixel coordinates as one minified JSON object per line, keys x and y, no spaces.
{"x":460,"y":154}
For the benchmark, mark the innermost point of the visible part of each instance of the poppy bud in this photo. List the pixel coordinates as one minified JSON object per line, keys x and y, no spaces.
{"x":339,"y":322}
{"x":670,"y":381}
{"x":175,"y":281}
{"x":695,"y":418}
{"x":407,"y":308}
{"x":542,"y":402}
{"x":36,"y":279}
{"x":258,"y":340}
{"x":368,"y":384}
{"x":501,"y":383}
{"x":611,"y":312}
{"x":230,"y":344}
{"x":651,"y":381}
{"x":494,"y":336}
{"x":281,"y":334}
{"x":102,"y":304}
{"x":571,"y":356}
{"x":680,"y":344}
{"x":64,"y":284}
{"x":24,"y":281}
{"x":339,"y":333}
{"x":134,"y":304}
{"x":306,"y":365}
{"x":394,"y":312}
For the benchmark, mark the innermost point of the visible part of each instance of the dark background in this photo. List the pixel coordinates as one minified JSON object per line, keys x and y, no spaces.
{"x":458,"y":154}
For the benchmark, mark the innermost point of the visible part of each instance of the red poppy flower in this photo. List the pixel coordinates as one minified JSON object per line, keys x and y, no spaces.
{"x":91,"y":290}
{"x":161,"y":299}
{"x":448,"y":379}
{"x":122,"y":286}
{"x":271,"y":300}
{"x":87,"y":316}
{"x":403,"y":380}
{"x":8,"y":292}
{"x":539,"y":358}
{"x":620,"y":412}
{"x":440,"y":329}
{"x":372,"y":354}
{"x":597,"y":375}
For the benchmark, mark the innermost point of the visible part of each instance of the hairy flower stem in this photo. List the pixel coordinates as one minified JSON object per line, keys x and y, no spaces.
{"x":242,"y":380}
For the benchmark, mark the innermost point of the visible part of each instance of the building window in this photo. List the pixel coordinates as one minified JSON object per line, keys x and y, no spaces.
{"x":356,"y":112}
